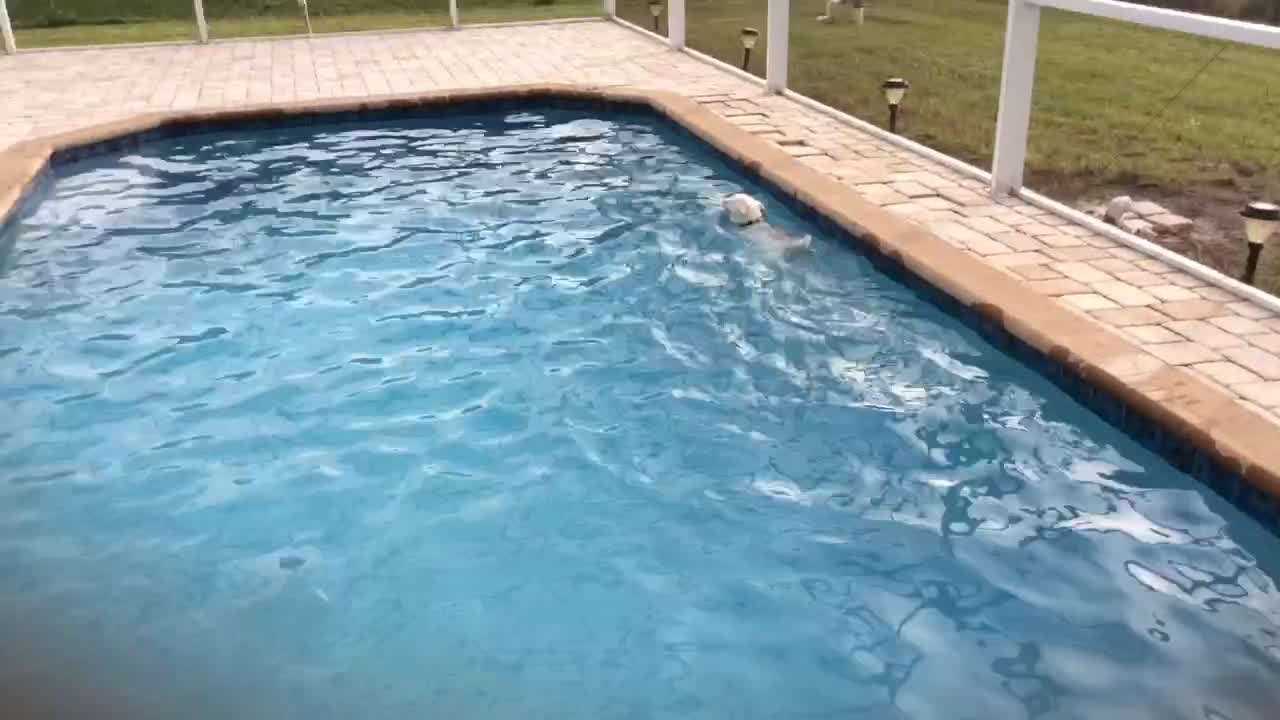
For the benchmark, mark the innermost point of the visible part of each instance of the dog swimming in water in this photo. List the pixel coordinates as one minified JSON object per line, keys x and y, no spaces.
{"x":748,"y":213}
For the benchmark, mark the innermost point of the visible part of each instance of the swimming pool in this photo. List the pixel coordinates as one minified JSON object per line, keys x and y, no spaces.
{"x":493,"y":416}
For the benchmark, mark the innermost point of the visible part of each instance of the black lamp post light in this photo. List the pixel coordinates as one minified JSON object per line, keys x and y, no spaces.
{"x":655,"y":9}
{"x":749,"y":38}
{"x":1261,"y":220}
{"x":894,"y":90}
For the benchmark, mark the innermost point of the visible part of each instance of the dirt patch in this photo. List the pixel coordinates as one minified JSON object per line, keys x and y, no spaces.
{"x":1217,"y":238}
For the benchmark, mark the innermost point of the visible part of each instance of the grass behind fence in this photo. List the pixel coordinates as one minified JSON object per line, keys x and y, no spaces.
{"x":237,"y":18}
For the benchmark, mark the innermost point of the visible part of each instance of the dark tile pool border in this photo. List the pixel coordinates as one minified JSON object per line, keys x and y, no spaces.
{"x":1199,"y":428}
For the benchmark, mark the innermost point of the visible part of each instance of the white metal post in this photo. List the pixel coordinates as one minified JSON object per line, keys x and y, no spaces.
{"x":779,"y":28}
{"x":453,"y":14}
{"x":610,"y":8}
{"x":675,"y":23}
{"x":6,"y":30}
{"x":1017,"y":77}
{"x":306,"y":15}
{"x":201,"y":27}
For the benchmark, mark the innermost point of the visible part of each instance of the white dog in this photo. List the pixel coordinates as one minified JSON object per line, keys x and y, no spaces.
{"x":748,"y":213}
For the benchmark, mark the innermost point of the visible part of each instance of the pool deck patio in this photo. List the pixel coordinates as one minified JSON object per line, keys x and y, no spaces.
{"x":1177,"y":318}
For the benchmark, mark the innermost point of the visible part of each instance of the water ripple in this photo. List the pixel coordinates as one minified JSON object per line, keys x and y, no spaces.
{"x":495,"y":417}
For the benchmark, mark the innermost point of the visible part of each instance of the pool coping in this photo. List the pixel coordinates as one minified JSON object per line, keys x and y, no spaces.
{"x":1207,"y":418}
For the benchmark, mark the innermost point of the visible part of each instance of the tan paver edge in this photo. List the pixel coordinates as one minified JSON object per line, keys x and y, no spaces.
{"x":1205,"y":416}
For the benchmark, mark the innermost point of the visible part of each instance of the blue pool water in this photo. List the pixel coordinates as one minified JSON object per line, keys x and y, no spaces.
{"x":492,"y":416}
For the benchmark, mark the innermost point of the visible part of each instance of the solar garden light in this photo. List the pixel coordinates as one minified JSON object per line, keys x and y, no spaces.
{"x":306,"y":15}
{"x":749,"y":37}
{"x":655,"y":9}
{"x":1261,"y":220}
{"x":894,"y":90}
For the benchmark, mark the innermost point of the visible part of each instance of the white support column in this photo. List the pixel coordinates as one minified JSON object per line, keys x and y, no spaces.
{"x":453,"y":14}
{"x":610,"y":8}
{"x":675,"y":23}
{"x":6,"y":30}
{"x":1021,"y":37}
{"x":777,"y":36}
{"x":202,"y":29}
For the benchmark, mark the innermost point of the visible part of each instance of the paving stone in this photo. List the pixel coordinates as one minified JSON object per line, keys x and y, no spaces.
{"x":910,"y":209}
{"x":984,"y":245}
{"x":937,"y":203}
{"x":1125,"y":317}
{"x":1077,"y":253}
{"x":1265,"y":364}
{"x":1247,"y":309}
{"x":1182,"y":279}
{"x":1170,"y":224}
{"x":1266,"y":394}
{"x":801,"y":151}
{"x":1237,"y":325}
{"x":962,"y":196}
{"x":1081,"y":272}
{"x":1137,"y":226}
{"x":1170,"y":293}
{"x":1038,"y":229}
{"x":1061,"y":241}
{"x":1202,"y":332}
{"x":1010,"y":260}
{"x":1267,"y":341}
{"x":1140,"y":278}
{"x":1114,"y":266}
{"x":1191,"y":309}
{"x":911,"y":189}
{"x":1215,"y":294}
{"x":1123,"y":293}
{"x":986,"y":225}
{"x":1057,"y":286}
{"x":1099,"y":241}
{"x":1182,"y":353}
{"x":1090,"y":301}
{"x":880,"y":194}
{"x":1226,"y":373}
{"x":1152,"y":334}
{"x":1017,"y":241}
{"x":1125,"y":253}
{"x":1071,"y":229}
{"x":982,"y":210}
{"x":1143,"y":208}
{"x":958,"y":232}
{"x":1036,"y":272}
{"x":930,"y":180}
{"x":1155,"y":266}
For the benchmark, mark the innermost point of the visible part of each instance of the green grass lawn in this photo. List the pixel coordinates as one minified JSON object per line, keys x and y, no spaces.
{"x":234,"y":25}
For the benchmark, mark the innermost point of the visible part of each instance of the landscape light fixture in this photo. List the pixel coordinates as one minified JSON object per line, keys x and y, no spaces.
{"x":894,"y":90}
{"x":655,"y":9}
{"x":749,"y":38}
{"x":1261,"y":220}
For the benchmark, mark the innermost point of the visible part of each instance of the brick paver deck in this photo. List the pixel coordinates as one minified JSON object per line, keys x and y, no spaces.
{"x":1177,"y":317}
